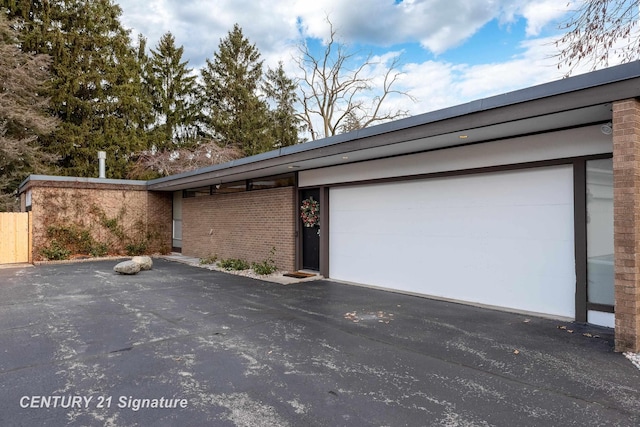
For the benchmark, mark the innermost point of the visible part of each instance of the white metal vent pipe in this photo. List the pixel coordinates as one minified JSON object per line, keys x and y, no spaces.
{"x":102,"y":157}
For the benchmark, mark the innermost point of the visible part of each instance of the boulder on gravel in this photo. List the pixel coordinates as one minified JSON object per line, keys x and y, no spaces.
{"x":127,"y":267}
{"x":145,"y":262}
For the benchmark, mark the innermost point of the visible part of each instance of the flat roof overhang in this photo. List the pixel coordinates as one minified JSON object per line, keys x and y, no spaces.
{"x":573,"y":102}
{"x":71,"y":181}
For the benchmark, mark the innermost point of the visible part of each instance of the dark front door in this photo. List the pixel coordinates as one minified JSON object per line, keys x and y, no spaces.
{"x":310,"y":237}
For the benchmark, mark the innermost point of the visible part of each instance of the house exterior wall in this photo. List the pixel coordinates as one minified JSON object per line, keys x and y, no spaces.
{"x":243,"y":225}
{"x":159,"y":219}
{"x":626,"y":184}
{"x":107,"y":211}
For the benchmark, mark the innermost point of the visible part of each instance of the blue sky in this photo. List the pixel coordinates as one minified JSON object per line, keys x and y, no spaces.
{"x":494,"y":42}
{"x":452,"y":51}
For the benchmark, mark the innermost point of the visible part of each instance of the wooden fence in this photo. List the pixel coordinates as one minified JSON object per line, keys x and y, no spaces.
{"x":15,"y":237}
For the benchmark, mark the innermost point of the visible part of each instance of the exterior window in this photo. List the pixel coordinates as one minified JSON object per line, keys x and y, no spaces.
{"x":27,"y":201}
{"x":197,"y":192}
{"x":177,"y":221}
{"x":230,"y":187}
{"x":600,"y":272}
{"x":272,"y":182}
{"x":287,"y":180}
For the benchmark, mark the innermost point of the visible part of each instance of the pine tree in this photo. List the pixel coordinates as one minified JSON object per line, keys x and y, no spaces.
{"x":173,"y":89}
{"x":281,"y":91}
{"x":96,"y":87}
{"x":23,"y":115}
{"x":234,"y":113}
{"x":143,"y":116}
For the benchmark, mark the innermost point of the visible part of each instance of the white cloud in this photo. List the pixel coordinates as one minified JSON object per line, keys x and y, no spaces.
{"x":441,"y":84}
{"x":273,"y":25}
{"x":199,"y":25}
{"x":543,"y":12}
{"x":437,"y":25}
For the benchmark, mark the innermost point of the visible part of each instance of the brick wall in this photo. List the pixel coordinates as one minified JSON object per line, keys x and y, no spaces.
{"x":626,"y":175}
{"x":160,"y":219}
{"x":241,"y":225}
{"x":136,"y":212}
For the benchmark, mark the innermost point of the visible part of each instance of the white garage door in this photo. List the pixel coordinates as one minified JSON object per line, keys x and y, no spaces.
{"x":503,"y":239}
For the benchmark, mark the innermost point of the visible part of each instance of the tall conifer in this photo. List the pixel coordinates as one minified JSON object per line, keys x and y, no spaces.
{"x":234,"y":113}
{"x":96,"y":86}
{"x":281,"y":92}
{"x":173,"y":89}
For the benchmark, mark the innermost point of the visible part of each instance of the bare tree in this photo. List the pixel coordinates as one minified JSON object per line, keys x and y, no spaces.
{"x":597,"y":31}
{"x":182,"y":160}
{"x":336,"y":96}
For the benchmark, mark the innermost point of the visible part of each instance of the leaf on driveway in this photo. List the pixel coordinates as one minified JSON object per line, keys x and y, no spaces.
{"x":380,"y":316}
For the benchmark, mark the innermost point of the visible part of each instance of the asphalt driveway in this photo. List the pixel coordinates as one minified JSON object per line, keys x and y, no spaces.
{"x":181,"y":345}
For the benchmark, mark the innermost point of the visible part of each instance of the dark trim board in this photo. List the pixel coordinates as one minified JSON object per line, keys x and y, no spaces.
{"x":605,"y":308}
{"x":324,"y":231}
{"x":580,"y":236}
{"x":298,"y":231}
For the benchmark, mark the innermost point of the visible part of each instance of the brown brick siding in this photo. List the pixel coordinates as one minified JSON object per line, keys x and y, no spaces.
{"x":241,"y":225}
{"x":160,"y":219}
{"x":136,"y":211}
{"x":626,"y":173}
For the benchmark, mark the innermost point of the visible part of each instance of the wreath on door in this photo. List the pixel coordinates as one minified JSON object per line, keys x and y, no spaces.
{"x":310,"y":212}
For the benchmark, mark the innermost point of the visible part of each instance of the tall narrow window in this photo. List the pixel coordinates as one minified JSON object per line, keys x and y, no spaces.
{"x":177,"y":221}
{"x":600,"y":232}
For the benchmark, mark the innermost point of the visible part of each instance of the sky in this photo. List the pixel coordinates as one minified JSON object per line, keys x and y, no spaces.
{"x":451,"y":51}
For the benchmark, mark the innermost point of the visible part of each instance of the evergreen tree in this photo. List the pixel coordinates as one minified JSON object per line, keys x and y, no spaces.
{"x":96,"y":86}
{"x":281,"y":91}
{"x":234,"y":113}
{"x":32,"y":18}
{"x":173,"y":90}
{"x":143,"y":116}
{"x":23,"y":115}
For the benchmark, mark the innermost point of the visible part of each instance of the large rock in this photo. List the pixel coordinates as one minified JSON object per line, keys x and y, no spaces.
{"x":127,"y":267}
{"x":145,"y":262}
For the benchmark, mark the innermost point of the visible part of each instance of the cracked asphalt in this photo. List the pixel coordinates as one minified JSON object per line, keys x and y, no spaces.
{"x":82,"y":345}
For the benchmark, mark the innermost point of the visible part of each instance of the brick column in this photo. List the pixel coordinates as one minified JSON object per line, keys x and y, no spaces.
{"x":626,"y":202}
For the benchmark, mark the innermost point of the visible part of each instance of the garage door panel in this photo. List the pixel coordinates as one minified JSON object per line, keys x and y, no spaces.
{"x":503,"y":239}
{"x":485,"y":222}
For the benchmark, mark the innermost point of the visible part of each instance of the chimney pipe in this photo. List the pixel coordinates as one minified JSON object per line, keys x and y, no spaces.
{"x":102,"y":157}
